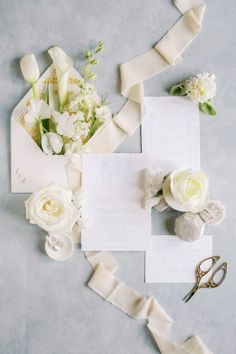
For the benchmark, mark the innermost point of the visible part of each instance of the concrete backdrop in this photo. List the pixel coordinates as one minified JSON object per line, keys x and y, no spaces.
{"x":45,"y":306}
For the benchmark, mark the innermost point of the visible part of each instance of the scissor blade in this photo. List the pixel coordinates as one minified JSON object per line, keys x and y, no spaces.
{"x":191,"y":293}
{"x":189,"y":297}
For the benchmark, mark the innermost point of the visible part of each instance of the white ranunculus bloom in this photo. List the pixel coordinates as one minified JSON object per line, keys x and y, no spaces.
{"x":37,"y":110}
{"x":62,"y":64}
{"x":51,"y":208}
{"x":186,"y":190}
{"x":103,"y":113}
{"x":29,"y":68}
{"x":65,"y":123}
{"x":51,"y":142}
{"x":201,"y":88}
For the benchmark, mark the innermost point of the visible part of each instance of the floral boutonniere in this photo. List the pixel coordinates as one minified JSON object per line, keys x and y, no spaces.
{"x":200,"y":88}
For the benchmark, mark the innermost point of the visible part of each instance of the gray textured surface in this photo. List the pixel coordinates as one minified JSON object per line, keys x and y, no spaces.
{"x":45,"y":307}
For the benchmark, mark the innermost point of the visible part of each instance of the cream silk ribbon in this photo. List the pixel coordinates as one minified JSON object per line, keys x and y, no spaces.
{"x":167,"y":52}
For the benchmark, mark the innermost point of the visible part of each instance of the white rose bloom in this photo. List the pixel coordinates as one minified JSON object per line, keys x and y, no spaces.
{"x":103,"y":113}
{"x":186,"y":190}
{"x":201,"y":88}
{"x":65,"y":123}
{"x":51,"y":142}
{"x":37,"y":110}
{"x":51,"y":208}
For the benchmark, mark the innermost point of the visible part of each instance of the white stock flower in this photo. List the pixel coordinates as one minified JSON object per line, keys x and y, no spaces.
{"x":153,"y":183}
{"x":89,"y":88}
{"x":51,"y":208}
{"x":29,"y":68}
{"x":92,"y":100}
{"x":37,"y":110}
{"x":186,"y":190}
{"x":103,"y":113}
{"x":79,"y":116}
{"x":73,"y":149}
{"x":201,"y":88}
{"x":51,"y":142}
{"x":62,"y":64}
{"x":65,"y":124}
{"x":74,"y":102}
{"x":82,"y":130}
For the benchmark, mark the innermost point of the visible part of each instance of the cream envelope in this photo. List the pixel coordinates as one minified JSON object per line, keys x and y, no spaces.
{"x":31,"y":169}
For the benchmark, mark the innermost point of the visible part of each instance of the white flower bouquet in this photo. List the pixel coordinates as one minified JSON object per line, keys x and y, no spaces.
{"x":62,"y":121}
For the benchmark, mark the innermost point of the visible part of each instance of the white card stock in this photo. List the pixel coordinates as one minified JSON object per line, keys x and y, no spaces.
{"x":170,"y":132}
{"x":171,"y":260}
{"x":171,"y":136}
{"x":112,"y":187}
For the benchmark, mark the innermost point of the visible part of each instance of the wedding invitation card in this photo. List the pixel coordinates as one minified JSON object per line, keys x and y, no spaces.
{"x":171,"y":136}
{"x":112,"y":187}
{"x":171,"y":133}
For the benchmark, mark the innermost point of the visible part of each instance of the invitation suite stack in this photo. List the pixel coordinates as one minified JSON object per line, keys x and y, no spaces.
{"x":112,"y":184}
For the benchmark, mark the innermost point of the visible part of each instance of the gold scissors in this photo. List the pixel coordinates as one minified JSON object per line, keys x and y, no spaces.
{"x":210,"y":283}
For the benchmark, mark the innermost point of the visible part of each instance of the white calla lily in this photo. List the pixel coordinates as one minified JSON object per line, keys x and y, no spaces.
{"x":30,"y":70}
{"x":37,"y":110}
{"x":51,"y":142}
{"x":62,"y":64}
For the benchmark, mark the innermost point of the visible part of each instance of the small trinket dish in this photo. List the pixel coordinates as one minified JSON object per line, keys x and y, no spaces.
{"x":59,"y":246}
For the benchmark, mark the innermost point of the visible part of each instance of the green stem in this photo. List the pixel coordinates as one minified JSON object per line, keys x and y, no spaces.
{"x":41,"y":129}
{"x":60,"y":107}
{"x":34,"y":89}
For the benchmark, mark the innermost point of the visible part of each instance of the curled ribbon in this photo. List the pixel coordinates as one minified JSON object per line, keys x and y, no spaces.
{"x":167,"y":52}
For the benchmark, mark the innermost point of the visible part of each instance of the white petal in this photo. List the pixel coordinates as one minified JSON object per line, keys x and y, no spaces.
{"x":29,"y":68}
{"x":62,"y":64}
{"x":46,"y":146}
{"x":51,"y":142}
{"x":44,"y":110}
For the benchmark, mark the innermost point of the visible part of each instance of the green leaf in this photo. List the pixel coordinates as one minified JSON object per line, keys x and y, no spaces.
{"x":208,"y":108}
{"x":87,"y":54}
{"x":159,"y":193}
{"x":46,"y":124}
{"x":100,"y":47}
{"x":178,"y":90}
{"x":94,"y":62}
